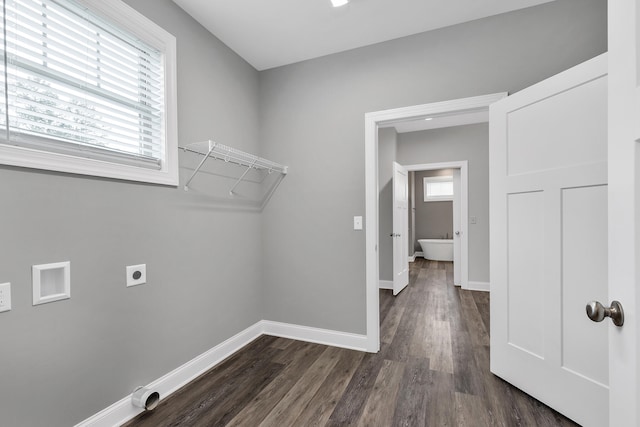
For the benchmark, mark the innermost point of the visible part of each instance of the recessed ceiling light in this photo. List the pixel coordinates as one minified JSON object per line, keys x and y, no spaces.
{"x":338,"y":3}
{"x":429,"y":118}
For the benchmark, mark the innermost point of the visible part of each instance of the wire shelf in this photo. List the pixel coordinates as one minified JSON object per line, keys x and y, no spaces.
{"x":215,"y":150}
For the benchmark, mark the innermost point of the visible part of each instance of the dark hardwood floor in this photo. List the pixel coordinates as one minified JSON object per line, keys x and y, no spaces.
{"x":432,"y":370}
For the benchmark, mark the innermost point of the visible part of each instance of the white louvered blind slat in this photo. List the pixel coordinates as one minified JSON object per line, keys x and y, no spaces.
{"x":76,"y":82}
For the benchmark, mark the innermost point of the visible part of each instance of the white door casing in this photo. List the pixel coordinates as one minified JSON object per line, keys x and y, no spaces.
{"x":624,"y":236}
{"x":372,"y":121}
{"x":548,"y":184}
{"x":457,"y":228}
{"x":400,"y":228}
{"x":412,"y":216}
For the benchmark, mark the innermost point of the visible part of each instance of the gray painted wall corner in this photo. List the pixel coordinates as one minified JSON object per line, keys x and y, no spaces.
{"x":76,"y":357}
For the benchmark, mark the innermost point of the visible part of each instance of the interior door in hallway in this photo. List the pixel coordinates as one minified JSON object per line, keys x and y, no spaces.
{"x":457,"y":228}
{"x":548,"y":177}
{"x":400,"y":228}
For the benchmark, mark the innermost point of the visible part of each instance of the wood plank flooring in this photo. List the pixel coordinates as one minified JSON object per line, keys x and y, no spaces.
{"x":432,"y":370}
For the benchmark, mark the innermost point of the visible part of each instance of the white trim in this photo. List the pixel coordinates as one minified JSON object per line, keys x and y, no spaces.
{"x":315,"y":335}
{"x":463,"y":165}
{"x":371,"y":122}
{"x":419,"y":254}
{"x":412,"y":258}
{"x":388,"y":284}
{"x":478,"y":286}
{"x":372,"y":258}
{"x":123,"y":410}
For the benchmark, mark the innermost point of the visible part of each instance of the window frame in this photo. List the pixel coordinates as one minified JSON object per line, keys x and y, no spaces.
{"x":132,"y":21}
{"x":433,"y":179}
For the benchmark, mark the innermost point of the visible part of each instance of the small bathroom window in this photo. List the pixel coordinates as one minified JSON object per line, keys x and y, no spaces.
{"x":438,"y":188}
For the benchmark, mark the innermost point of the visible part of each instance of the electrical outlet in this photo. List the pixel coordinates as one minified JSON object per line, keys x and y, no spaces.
{"x":136,"y":274}
{"x":5,"y":297}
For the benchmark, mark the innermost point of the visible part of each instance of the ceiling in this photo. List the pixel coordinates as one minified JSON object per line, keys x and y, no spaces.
{"x":272,"y":33}
{"x":443,"y":121}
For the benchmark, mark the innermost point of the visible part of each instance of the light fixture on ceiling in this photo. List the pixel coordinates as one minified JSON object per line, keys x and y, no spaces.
{"x":429,"y":118}
{"x":338,"y":3}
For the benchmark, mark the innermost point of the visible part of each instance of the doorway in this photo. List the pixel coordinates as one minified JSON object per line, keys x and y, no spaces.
{"x":373,"y":121}
{"x":460,"y":213}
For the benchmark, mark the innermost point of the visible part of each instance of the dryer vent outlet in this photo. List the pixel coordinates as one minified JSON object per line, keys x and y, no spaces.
{"x":144,"y":398}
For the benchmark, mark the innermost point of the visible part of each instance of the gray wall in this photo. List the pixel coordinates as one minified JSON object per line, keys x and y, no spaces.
{"x":434,"y":220}
{"x":471,"y":143}
{"x":387,"y":148}
{"x":312,"y":118}
{"x":65,"y":361}
{"x":213,"y":268}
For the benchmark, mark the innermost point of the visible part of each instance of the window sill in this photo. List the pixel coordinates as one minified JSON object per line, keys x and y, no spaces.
{"x":35,"y":159}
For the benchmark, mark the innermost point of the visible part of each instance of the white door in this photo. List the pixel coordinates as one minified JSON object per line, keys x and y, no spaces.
{"x":624,"y":227}
{"x":548,"y":175}
{"x":400,"y":228}
{"x":457,"y":229}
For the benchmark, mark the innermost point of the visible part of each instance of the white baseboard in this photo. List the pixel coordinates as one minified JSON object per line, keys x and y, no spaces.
{"x":478,"y":286}
{"x":123,"y":410}
{"x":419,"y":254}
{"x":385,"y":284}
{"x":316,"y":335}
{"x":412,"y":258}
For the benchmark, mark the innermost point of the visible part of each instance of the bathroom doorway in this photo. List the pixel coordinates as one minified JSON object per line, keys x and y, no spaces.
{"x":448,"y":215}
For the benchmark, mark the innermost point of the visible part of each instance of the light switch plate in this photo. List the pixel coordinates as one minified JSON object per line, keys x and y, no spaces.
{"x":357,"y":223}
{"x":473,"y":219}
{"x":5,"y":297}
{"x":136,"y":275}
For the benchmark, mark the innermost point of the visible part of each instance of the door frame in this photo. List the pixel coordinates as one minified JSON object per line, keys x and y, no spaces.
{"x":373,"y":121}
{"x":463,"y":165}
{"x":624,"y":197}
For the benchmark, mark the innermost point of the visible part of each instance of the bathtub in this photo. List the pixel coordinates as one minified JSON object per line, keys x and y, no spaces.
{"x":437,"y":249}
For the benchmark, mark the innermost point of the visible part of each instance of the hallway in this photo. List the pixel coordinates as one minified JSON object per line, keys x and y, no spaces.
{"x":432,"y":370}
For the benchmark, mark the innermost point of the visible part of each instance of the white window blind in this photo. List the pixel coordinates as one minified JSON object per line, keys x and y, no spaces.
{"x":438,"y":188}
{"x":75,"y":84}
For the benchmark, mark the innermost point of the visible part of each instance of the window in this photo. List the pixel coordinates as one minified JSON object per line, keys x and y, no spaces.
{"x":438,"y":188}
{"x":87,"y":87}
